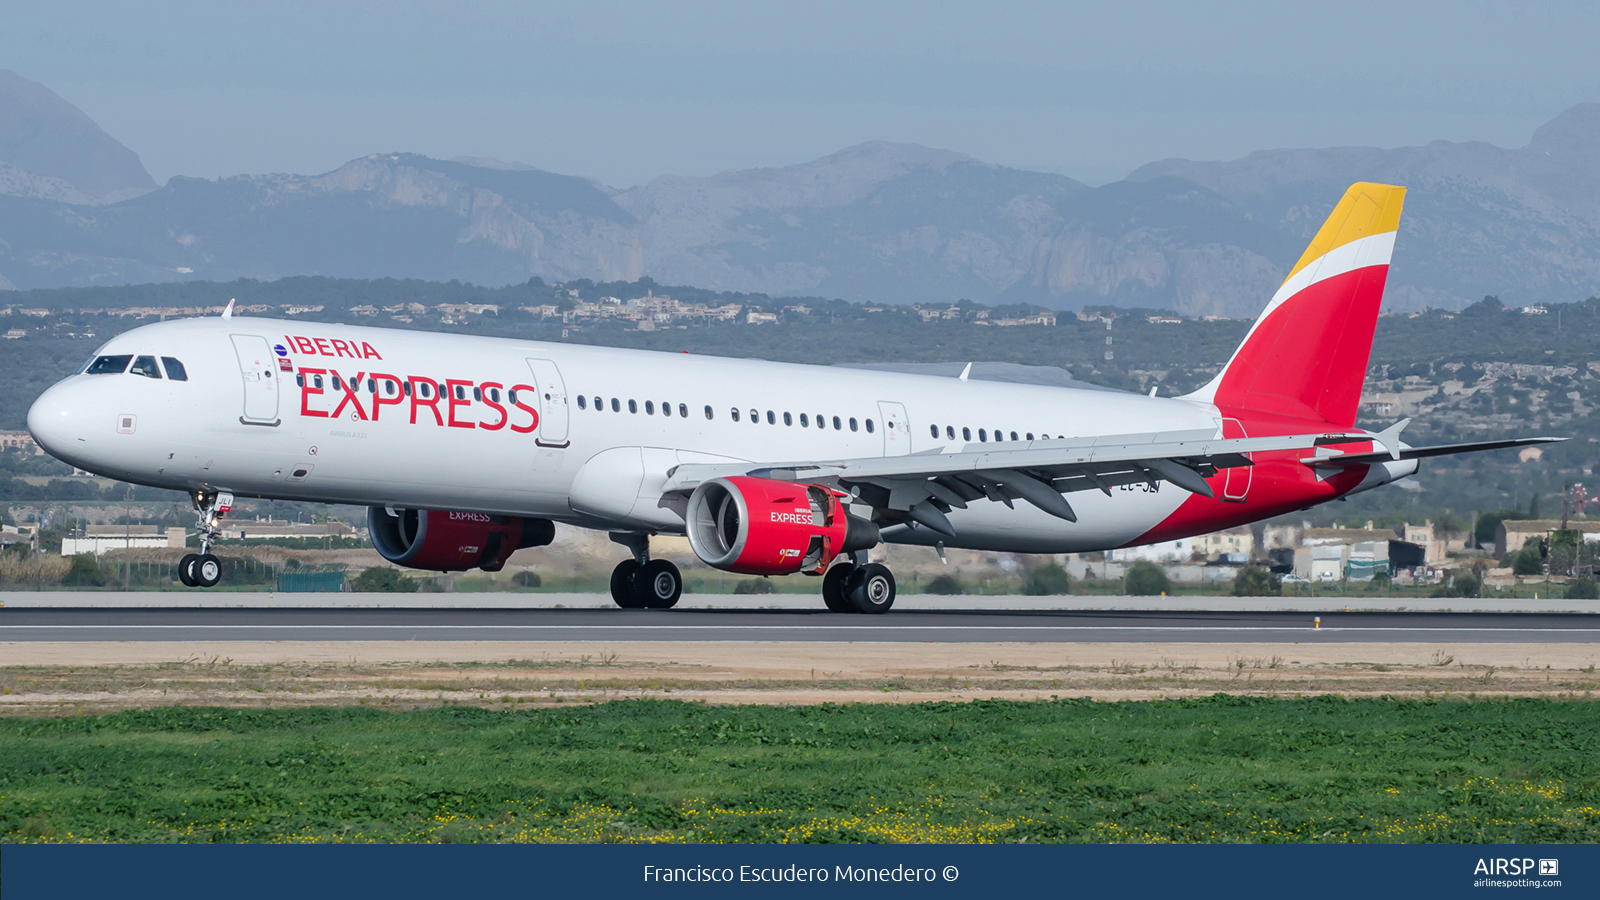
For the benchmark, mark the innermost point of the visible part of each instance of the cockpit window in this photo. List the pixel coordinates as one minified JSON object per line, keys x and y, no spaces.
{"x":146,"y":366}
{"x":175,"y":370}
{"x":109,"y":365}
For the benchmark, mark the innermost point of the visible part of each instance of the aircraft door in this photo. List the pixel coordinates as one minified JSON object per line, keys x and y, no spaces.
{"x":896,"y":428}
{"x":552,"y":403}
{"x":1237,"y":485}
{"x":258,"y":373}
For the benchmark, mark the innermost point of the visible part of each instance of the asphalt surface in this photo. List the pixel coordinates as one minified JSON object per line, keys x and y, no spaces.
{"x":510,"y":600}
{"x":618,"y":625}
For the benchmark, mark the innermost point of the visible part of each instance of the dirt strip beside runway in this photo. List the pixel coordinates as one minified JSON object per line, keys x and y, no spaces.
{"x":64,"y":678}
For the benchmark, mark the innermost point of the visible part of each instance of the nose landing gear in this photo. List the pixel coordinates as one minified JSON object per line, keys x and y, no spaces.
{"x":203,"y":569}
{"x":642,"y":582}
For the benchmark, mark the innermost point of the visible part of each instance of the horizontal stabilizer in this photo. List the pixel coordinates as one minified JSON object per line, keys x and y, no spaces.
{"x":1363,"y":459}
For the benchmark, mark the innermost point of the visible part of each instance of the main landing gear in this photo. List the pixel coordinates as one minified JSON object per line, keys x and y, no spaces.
{"x":202,"y":569}
{"x":857,"y":586}
{"x":642,"y":582}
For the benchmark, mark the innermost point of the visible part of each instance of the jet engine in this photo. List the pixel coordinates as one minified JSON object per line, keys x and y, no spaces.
{"x":760,"y":526}
{"x":452,"y":541}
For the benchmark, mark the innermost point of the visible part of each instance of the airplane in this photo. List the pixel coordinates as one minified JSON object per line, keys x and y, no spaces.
{"x":465,"y":449}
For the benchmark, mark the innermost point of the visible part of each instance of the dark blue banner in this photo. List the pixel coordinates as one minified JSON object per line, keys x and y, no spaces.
{"x":1173,"y":873}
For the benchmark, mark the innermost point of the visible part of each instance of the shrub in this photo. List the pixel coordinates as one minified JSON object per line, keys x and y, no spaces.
{"x":753,"y":586}
{"x":382,"y":579}
{"x":1526,"y":561}
{"x":945,"y":584}
{"x":1583,"y":589}
{"x":84,"y":570}
{"x":527,"y":579}
{"x":1257,"y":581}
{"x":1047,"y":580}
{"x":1462,"y":584}
{"x":1145,"y":578}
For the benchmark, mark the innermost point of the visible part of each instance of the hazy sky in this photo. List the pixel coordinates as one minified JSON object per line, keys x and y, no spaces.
{"x":627,"y":91}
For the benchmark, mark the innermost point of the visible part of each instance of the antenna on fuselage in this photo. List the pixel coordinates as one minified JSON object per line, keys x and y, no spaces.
{"x":965,"y":372}
{"x":227,"y":311}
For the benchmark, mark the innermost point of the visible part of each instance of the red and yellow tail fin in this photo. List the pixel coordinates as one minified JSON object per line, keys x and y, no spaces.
{"x":1306,"y":355}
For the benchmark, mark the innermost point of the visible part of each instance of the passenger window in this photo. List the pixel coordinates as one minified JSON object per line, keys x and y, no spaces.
{"x":582,"y":403}
{"x":649,"y":407}
{"x":771,"y":419}
{"x":633,"y":406}
{"x":494,"y":394}
{"x":852,"y":424}
{"x":933,"y":430}
{"x":949,"y":432}
{"x":683,"y":411}
{"x":804,"y":422}
{"x":338,"y":383}
{"x":407,"y":387}
{"x":966,"y":434}
{"x":616,"y":405}
{"x":109,"y":365}
{"x":735,"y":413}
{"x":708,"y":414}
{"x":755,"y":417}
{"x":983,"y":435}
{"x":788,"y":419}
{"x":317,"y":381}
{"x":477,"y":394}
{"x":299,"y":381}
{"x":821,"y":423}
{"x":869,"y":426}
{"x":836,"y":424}
{"x":1030,"y":435}
{"x":1013,"y":435}
{"x":175,"y":370}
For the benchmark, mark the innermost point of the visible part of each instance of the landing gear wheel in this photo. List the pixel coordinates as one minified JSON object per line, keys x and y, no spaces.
{"x":833,"y":588}
{"x":622,"y":581}
{"x":186,"y":569}
{"x":659,"y":584}
{"x":206,"y":570}
{"x":870,"y":588}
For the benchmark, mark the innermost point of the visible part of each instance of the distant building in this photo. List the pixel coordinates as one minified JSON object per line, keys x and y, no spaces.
{"x":1234,"y":544}
{"x":1179,"y":550}
{"x":760,"y":318}
{"x":1512,"y":534}
{"x":97,"y":539}
{"x":20,"y":441}
{"x":1163,"y":320}
{"x":15,"y":333}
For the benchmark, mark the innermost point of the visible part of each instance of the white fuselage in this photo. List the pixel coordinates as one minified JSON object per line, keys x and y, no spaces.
{"x":250,"y":419}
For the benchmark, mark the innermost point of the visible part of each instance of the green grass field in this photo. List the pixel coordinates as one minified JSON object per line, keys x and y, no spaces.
{"x":1218,"y":769}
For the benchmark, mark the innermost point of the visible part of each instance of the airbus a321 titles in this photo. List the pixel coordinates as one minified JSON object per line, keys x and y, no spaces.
{"x":465,"y":449}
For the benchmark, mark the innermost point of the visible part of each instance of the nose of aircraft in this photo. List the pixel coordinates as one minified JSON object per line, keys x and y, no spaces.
{"x":58,"y":423}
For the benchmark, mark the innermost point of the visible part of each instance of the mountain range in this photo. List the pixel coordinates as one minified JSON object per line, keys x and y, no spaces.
{"x":878,"y":222}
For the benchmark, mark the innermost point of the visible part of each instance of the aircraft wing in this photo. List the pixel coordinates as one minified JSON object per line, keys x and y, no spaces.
{"x":926,"y":486}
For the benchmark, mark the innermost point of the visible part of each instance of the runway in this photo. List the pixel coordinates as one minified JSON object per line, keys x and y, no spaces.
{"x":696,"y":625}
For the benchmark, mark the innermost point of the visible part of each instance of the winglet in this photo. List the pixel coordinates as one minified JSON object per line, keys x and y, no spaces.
{"x":227,"y":312}
{"x":965,"y":372}
{"x":1389,"y":438}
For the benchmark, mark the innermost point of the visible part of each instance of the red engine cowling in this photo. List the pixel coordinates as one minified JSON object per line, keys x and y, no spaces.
{"x":452,"y":541}
{"x":759,"y":526}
